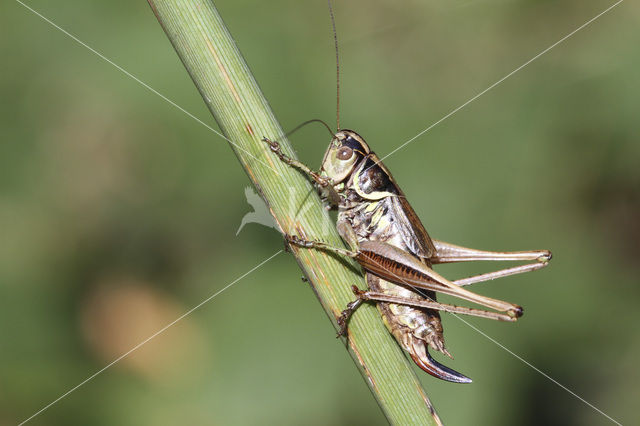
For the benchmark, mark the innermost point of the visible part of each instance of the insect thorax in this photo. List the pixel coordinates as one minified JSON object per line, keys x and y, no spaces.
{"x":370,"y":219}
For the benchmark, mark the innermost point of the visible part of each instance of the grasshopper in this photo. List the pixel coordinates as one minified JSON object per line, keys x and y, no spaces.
{"x":386,"y":237}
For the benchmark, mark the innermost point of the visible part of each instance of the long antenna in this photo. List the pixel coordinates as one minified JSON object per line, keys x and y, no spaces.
{"x":335,"y":40}
{"x":315,"y":120}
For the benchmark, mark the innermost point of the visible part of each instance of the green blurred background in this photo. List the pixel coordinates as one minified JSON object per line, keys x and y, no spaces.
{"x":118,"y":212}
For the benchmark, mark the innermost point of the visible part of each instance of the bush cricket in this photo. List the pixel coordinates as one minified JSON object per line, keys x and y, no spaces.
{"x":395,"y":251}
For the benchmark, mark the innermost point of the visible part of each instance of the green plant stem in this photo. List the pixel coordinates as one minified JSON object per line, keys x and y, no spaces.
{"x":220,"y":73}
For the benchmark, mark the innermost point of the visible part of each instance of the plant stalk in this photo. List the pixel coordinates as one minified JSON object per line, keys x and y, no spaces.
{"x":231,"y":93}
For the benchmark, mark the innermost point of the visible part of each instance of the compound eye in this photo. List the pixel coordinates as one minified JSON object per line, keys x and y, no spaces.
{"x":345,"y":153}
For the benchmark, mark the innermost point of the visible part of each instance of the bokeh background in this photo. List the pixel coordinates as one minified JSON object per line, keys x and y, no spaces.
{"x":118,"y":212}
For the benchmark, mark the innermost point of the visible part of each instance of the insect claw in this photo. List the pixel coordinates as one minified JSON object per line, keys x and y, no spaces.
{"x":345,"y":315}
{"x":343,"y":319}
{"x":342,"y":326}
{"x":295,"y":240}
{"x":516,"y":313}
{"x":274,"y":145}
{"x":420,"y":355}
{"x":546,"y":257}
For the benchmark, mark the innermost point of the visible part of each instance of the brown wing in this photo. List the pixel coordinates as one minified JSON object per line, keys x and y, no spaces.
{"x":413,"y":233}
{"x":405,"y":218}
